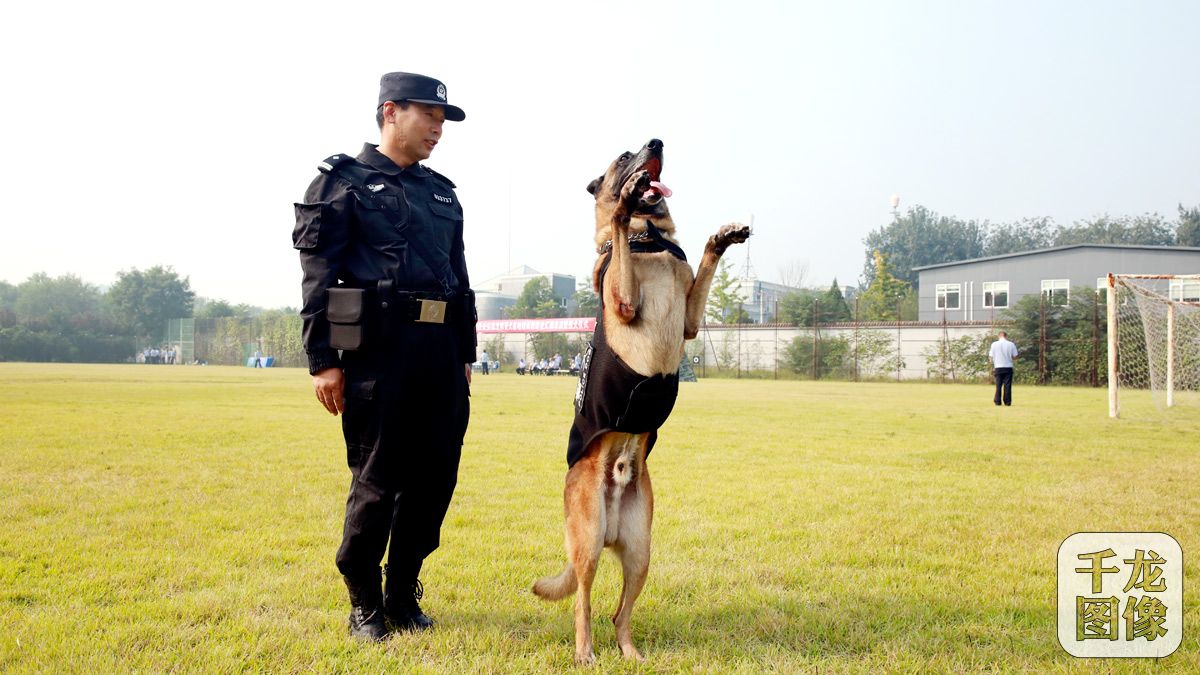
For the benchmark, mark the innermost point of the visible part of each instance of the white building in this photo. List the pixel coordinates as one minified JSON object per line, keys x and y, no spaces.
{"x":495,"y":295}
{"x":762,"y":298}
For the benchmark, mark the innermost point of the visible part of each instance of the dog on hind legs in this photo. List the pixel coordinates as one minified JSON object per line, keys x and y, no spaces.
{"x":650,"y":303}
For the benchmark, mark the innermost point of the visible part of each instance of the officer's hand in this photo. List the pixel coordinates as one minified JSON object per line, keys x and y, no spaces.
{"x":467,"y":366}
{"x":330,"y":385}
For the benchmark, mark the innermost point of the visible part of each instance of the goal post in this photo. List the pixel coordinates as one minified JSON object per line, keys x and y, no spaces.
{"x":1153,"y":337}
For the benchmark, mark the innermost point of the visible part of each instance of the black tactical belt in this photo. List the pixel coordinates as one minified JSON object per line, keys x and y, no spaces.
{"x":401,"y":306}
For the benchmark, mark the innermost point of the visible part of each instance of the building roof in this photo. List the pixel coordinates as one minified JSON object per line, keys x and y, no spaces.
{"x":1124,"y":247}
{"x":516,"y":272}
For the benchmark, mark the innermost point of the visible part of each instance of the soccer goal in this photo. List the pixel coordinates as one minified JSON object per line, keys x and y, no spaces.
{"x":1154,"y":338}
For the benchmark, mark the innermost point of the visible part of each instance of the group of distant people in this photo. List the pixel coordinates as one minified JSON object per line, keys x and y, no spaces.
{"x":551,"y":366}
{"x":154,"y":355}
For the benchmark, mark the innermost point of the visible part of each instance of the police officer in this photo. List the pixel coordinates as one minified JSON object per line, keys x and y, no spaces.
{"x":386,"y":235}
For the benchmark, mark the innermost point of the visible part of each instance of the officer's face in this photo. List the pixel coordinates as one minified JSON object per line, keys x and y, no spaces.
{"x":414,"y":130}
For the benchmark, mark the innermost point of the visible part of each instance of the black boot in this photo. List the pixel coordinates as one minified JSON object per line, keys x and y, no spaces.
{"x":400,"y":596}
{"x":366,"y":608}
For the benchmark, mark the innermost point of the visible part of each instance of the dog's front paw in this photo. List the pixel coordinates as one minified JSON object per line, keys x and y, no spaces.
{"x":586,"y":658}
{"x":633,"y":189}
{"x":733,"y":233}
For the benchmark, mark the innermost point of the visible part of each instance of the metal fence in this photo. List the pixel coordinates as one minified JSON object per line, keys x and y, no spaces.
{"x":1059,"y":344}
{"x":232,"y":341}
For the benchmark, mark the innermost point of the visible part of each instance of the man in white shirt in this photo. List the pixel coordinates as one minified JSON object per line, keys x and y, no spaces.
{"x":1001,"y":355}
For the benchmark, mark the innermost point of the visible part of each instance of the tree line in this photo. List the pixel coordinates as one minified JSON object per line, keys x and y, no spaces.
{"x":923,"y":237}
{"x":66,"y":319}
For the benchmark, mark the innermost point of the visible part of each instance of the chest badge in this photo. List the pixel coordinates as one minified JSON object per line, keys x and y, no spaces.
{"x":444,"y":200}
{"x":375,"y":187}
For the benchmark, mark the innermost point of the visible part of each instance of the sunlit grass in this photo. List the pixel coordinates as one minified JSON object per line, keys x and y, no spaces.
{"x":184,"y":518}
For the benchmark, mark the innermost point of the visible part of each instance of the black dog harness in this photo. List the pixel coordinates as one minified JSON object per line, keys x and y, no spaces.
{"x":612,"y":396}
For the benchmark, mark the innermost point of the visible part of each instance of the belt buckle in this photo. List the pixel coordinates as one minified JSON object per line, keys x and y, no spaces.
{"x":432,"y":311}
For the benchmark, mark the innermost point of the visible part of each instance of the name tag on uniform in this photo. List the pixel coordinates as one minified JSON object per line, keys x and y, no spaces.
{"x":432,"y":311}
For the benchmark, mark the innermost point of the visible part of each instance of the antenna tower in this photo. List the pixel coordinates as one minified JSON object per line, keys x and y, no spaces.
{"x":748,"y":268}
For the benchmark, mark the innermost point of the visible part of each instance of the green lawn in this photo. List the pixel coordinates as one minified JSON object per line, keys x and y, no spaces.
{"x":185,"y":519}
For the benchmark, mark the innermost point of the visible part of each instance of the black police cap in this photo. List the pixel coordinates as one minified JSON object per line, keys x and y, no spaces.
{"x":418,"y":89}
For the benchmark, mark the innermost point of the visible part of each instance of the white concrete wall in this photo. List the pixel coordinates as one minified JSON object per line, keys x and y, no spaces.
{"x":759,"y":347}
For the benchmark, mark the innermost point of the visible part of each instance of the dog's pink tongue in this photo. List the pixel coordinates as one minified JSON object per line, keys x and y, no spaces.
{"x":660,"y":188}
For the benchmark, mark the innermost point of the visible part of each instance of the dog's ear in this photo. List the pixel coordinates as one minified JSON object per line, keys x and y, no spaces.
{"x":591,"y":188}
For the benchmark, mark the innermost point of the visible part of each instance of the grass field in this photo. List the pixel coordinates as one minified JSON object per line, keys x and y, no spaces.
{"x":185,"y":519}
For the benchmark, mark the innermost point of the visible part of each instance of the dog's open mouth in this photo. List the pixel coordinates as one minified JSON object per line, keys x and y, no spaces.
{"x":658,"y":190}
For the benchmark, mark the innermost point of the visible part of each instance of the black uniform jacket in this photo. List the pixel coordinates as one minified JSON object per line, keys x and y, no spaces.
{"x":612,"y":396}
{"x":344,"y":234}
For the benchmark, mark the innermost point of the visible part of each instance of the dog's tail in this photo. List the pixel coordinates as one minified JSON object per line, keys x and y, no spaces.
{"x":558,"y":587}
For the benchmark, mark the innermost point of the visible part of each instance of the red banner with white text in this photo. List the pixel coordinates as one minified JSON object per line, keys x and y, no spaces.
{"x":572,"y":325}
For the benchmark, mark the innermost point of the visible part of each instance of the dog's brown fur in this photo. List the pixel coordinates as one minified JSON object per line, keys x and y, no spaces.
{"x":652,"y":304}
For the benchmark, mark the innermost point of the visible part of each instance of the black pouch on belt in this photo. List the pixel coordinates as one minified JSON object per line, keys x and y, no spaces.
{"x":346,"y":311}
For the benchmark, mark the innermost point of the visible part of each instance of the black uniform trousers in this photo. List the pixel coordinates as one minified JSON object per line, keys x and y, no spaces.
{"x":405,"y":416}
{"x":1003,"y":385}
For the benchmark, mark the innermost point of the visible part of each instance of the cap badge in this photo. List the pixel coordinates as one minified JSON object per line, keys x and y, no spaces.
{"x":441,"y":92}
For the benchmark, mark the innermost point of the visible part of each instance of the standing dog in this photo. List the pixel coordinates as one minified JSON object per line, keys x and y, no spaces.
{"x":650,"y":303}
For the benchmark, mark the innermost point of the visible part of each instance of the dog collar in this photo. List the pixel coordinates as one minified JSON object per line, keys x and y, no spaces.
{"x":649,"y":241}
{"x":640,"y":236}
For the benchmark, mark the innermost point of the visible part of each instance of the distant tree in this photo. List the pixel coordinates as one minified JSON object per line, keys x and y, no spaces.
{"x":962,"y":359}
{"x":834,"y":355}
{"x":494,"y":346}
{"x":878,"y":355}
{"x":144,"y":301}
{"x":1074,"y":335}
{"x":546,"y":345}
{"x":793,"y":273}
{"x":922,"y":237}
{"x":885,"y":294}
{"x":46,"y":303}
{"x":1150,"y":229}
{"x":1029,"y":234}
{"x":796,"y":307}
{"x":725,"y":299}
{"x":587,"y":303}
{"x":221,"y":309}
{"x":8,"y":301}
{"x":833,"y":305}
{"x":60,"y":319}
{"x":1187,"y":231}
{"x":536,"y":301}
{"x":215,"y":309}
{"x":806,"y":306}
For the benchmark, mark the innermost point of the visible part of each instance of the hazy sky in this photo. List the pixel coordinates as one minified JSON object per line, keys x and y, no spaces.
{"x":137,"y":134}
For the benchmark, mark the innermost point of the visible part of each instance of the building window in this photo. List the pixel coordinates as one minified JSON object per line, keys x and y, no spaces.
{"x":947,"y":295}
{"x":995,"y":294}
{"x":1185,"y":290}
{"x":1056,"y":291}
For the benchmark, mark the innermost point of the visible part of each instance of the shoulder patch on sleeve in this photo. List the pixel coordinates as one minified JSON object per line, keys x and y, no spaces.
{"x":440,"y":177}
{"x":331,"y":163}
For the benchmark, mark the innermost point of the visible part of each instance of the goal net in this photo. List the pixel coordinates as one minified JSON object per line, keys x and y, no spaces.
{"x":1153,"y":339}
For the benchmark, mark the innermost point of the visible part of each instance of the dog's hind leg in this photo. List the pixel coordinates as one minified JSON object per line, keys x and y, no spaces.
{"x":585,"y":540}
{"x":633,"y":549}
